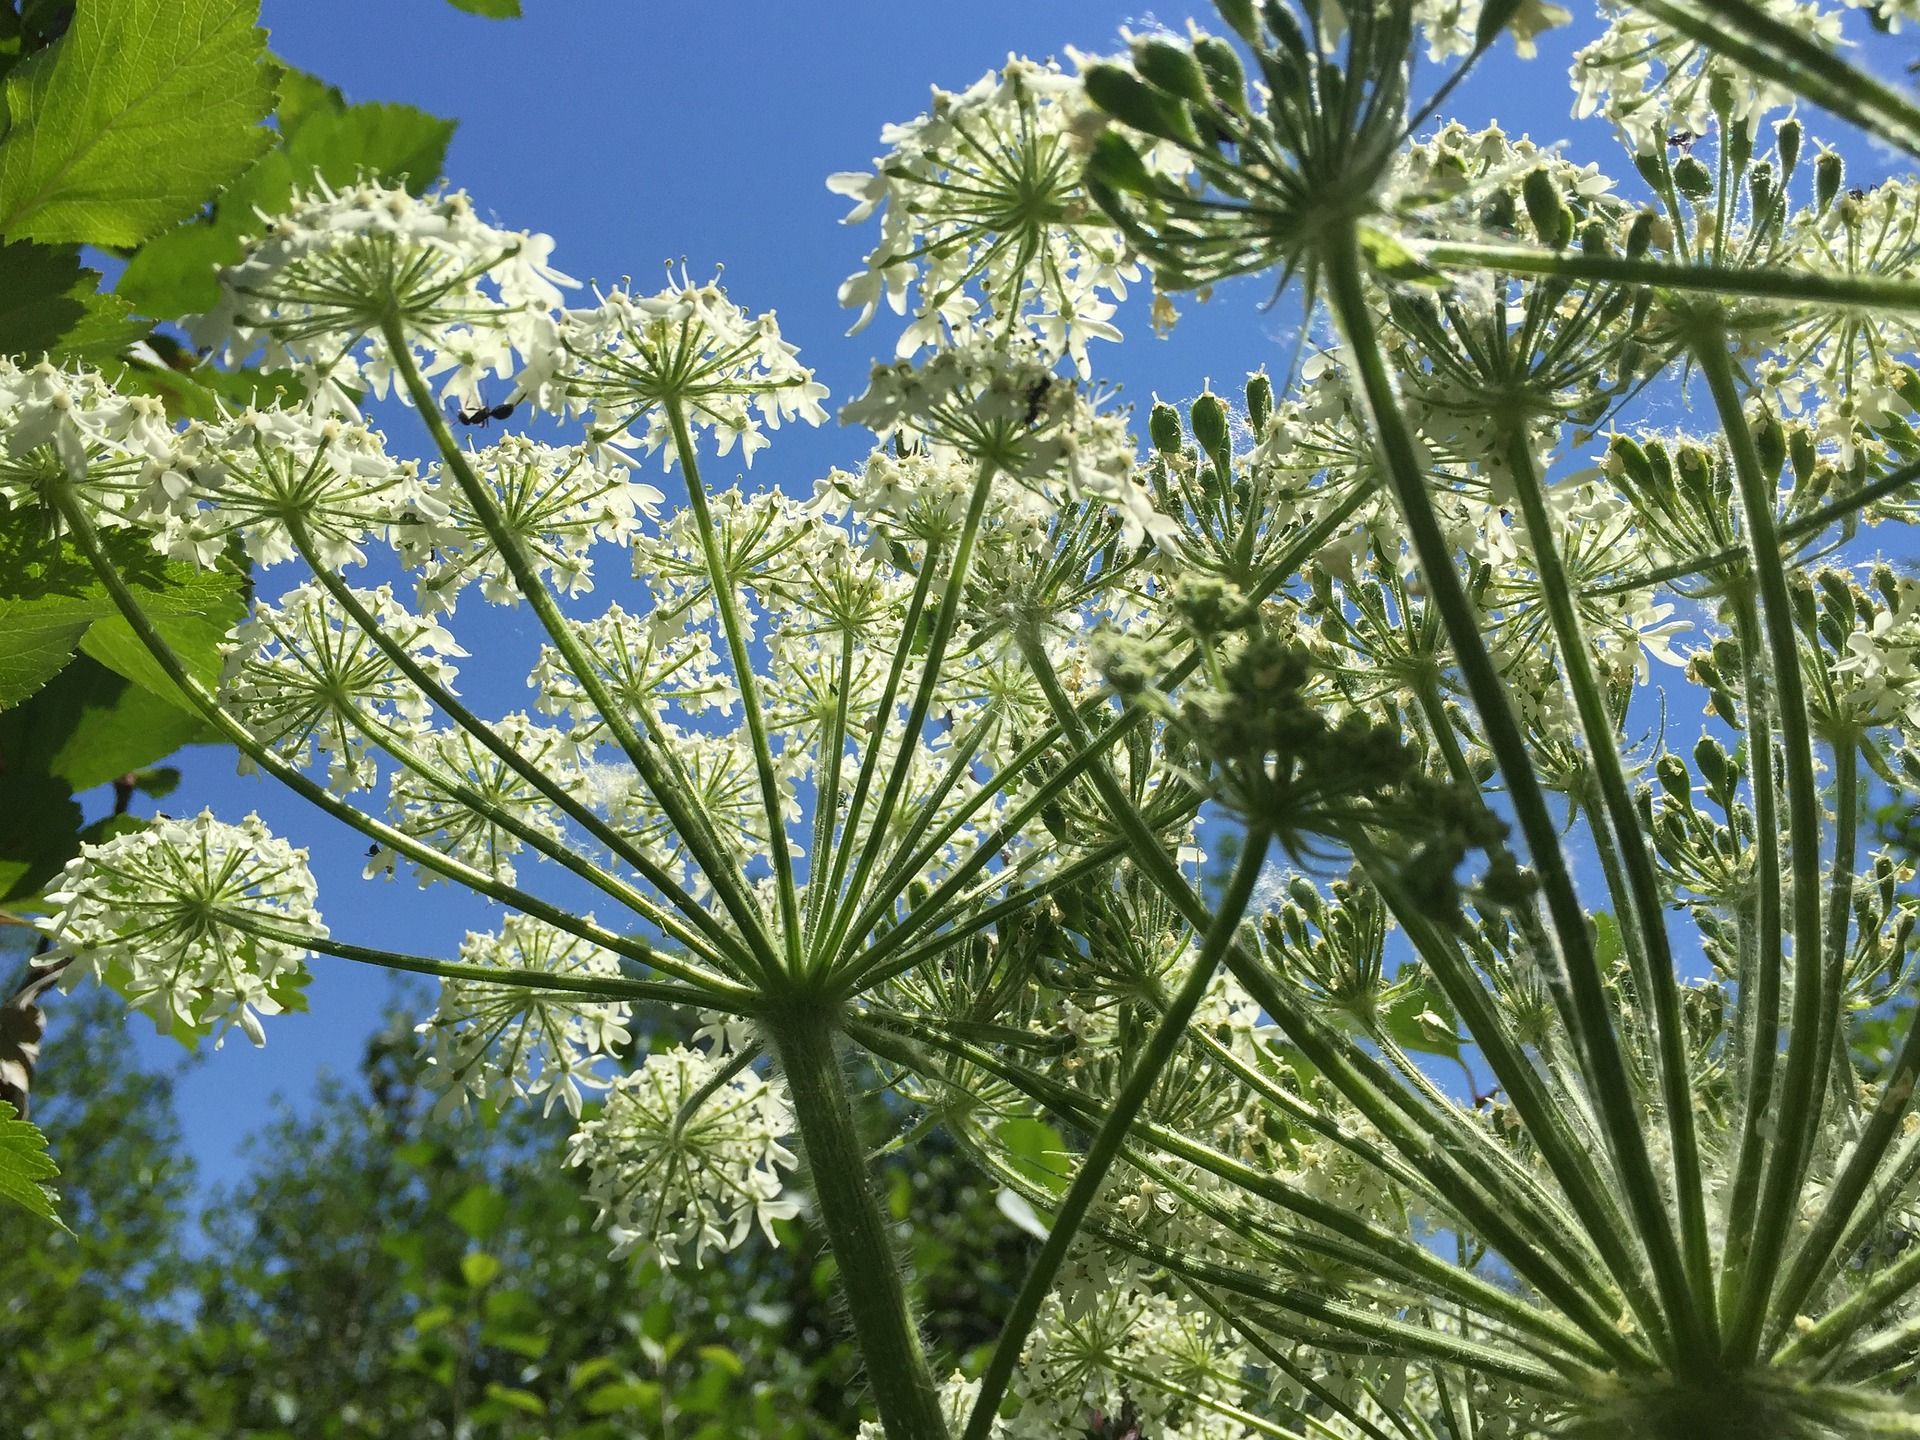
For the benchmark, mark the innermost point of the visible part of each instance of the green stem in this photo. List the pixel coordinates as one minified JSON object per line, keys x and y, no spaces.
{"x":870,"y":1280}
{"x":600,"y":987}
{"x":946,"y":617}
{"x":1589,"y":1011}
{"x":1456,"y":1169}
{"x":728,"y":955}
{"x":731,"y":625}
{"x":1810,"y":287}
{"x":1844,"y":1195}
{"x":1759,"y":980}
{"x":1107,"y":1141}
{"x":694,"y":826}
{"x":242,"y":739}
{"x":1803,"y":1087}
{"x":1644,"y":907}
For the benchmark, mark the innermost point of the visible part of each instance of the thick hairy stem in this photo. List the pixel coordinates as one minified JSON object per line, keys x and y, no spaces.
{"x":1803,"y":1085}
{"x":870,"y":1280}
{"x":1644,"y":907}
{"x":1112,"y":1134}
{"x":1589,"y":1011}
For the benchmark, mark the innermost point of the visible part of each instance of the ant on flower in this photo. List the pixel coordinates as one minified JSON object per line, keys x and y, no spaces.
{"x":480,"y":414}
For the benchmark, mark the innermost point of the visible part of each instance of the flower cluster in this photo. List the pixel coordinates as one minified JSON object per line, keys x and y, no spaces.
{"x":686,"y":1156}
{"x":202,"y":924}
{"x":686,"y":351}
{"x":338,"y":277}
{"x":984,"y":219}
{"x":516,"y":1041}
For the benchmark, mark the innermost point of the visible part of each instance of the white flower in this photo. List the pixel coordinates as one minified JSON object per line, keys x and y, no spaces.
{"x":467,"y":826}
{"x":625,"y":360}
{"x":984,"y":191}
{"x":668,"y":1178}
{"x":558,"y":503}
{"x":306,"y":679}
{"x":1615,"y":75}
{"x":957,"y":1394}
{"x":316,"y":284}
{"x":118,"y":455}
{"x":263,"y":471}
{"x":511,"y":1041}
{"x":164,"y":914}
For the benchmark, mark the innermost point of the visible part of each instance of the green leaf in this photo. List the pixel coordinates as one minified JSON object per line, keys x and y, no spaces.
{"x":479,"y":1269}
{"x":1391,"y":260}
{"x":51,"y":305}
{"x":174,"y":273}
{"x":620,"y":1395}
{"x":89,"y":725}
{"x":523,"y":1400}
{"x":25,"y":1166}
{"x":1036,"y":1150}
{"x":51,"y":601}
{"x":139,"y":113}
{"x":492,"y":9}
{"x":479,"y":1211}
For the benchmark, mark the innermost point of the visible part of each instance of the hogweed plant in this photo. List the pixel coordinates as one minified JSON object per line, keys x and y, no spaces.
{"x":1513,"y":1076}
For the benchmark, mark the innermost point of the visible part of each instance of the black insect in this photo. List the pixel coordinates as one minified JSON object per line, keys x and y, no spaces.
{"x":1036,"y":397}
{"x":1860,"y":192}
{"x":1682,"y":140}
{"x":481,"y":414}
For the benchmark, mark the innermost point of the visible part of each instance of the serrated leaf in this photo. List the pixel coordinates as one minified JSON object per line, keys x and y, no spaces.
{"x":89,"y":725}
{"x":133,"y":119}
{"x":174,"y":273}
{"x":25,"y":1167}
{"x":51,"y":305}
{"x":51,"y":601}
{"x":491,"y":9}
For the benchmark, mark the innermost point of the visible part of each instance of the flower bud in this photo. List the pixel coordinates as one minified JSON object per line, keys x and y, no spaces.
{"x":1171,"y":68}
{"x":1209,"y":418}
{"x":1119,"y":92}
{"x":1163,"y":428}
{"x":1672,"y":773}
{"x":1711,"y":761}
{"x":1226,"y":77}
{"x":1692,"y":178}
{"x":1770,"y":441}
{"x":1640,"y":234}
{"x":1829,"y":171}
{"x":1259,"y":401}
{"x":1548,"y":211}
{"x":1786,"y":139}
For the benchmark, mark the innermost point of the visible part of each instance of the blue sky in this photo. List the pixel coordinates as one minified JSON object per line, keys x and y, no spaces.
{"x":642,"y":134}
